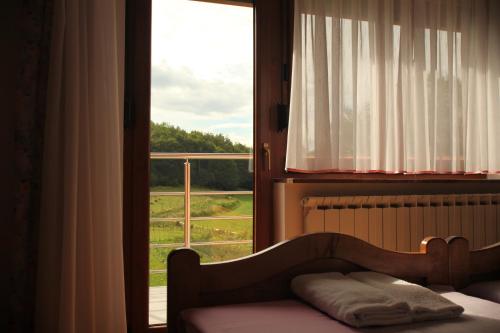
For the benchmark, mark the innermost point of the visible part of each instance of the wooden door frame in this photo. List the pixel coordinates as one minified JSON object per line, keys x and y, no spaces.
{"x":136,"y":162}
{"x":272,"y":72}
{"x":268,"y":92}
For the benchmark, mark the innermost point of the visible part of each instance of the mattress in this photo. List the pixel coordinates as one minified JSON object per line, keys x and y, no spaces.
{"x":293,"y":316}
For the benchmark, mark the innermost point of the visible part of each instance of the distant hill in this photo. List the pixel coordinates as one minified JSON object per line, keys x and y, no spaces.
{"x":217,"y":174}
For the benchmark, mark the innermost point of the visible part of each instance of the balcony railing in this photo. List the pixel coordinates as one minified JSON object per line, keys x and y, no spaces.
{"x":187,"y":199}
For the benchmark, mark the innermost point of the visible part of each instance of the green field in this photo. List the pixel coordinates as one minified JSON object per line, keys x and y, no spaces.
{"x":201,"y":231}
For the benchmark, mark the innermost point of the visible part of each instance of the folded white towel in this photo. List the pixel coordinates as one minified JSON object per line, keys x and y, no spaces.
{"x":350,"y":301}
{"x":424,"y":303}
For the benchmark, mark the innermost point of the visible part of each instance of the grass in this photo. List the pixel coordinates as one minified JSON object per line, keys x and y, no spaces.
{"x":201,"y":231}
{"x":201,"y":205}
{"x":158,"y":257}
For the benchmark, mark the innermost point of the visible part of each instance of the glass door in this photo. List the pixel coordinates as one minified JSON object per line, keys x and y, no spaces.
{"x":201,"y":138}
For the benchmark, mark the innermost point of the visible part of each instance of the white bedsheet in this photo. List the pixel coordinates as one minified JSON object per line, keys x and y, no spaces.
{"x":480,"y":316}
{"x":292,"y":316}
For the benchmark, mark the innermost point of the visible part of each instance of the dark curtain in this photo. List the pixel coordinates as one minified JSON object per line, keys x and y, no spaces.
{"x":28,"y":41}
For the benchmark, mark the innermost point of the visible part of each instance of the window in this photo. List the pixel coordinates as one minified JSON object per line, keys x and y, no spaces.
{"x":394,"y":87}
{"x":201,"y":180}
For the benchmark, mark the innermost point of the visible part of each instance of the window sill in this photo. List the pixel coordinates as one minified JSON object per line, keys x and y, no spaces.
{"x":157,"y":328}
{"x":378,"y":178}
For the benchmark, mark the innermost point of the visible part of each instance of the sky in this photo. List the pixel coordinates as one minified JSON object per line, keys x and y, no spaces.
{"x":202,"y":67}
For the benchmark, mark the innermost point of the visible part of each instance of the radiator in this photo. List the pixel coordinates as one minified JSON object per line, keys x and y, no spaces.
{"x":401,"y":222}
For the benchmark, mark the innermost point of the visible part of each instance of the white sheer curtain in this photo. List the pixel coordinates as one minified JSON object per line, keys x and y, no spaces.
{"x":80,"y":282}
{"x":395,"y":86}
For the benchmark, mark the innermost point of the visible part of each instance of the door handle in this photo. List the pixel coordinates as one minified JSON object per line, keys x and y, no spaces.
{"x":267,"y":153}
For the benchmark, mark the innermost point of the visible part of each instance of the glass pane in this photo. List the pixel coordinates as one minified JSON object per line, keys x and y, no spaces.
{"x":201,"y":102}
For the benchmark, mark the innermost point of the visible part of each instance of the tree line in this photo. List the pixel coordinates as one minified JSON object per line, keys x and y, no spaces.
{"x":217,"y":174}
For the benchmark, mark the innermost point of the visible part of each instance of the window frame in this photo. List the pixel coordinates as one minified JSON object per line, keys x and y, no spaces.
{"x":136,"y":161}
{"x":281,"y":138}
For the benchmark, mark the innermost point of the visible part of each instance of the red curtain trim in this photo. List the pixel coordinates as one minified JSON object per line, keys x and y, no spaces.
{"x":423,"y":172}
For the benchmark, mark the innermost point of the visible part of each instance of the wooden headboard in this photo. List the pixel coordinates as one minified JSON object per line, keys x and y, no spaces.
{"x":468,"y":266}
{"x":266,"y":275}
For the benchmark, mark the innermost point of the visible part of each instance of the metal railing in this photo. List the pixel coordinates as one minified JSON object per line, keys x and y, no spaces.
{"x":187,"y":195}
{"x":201,"y":156}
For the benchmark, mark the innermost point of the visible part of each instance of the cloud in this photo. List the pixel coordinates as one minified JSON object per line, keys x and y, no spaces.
{"x":202,"y":67}
{"x":239,"y":129}
{"x":178,"y":89}
{"x":230,"y":125}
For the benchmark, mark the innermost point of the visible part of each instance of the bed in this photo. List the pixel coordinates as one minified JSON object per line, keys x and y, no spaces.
{"x":253,"y":294}
{"x":475,"y":272}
